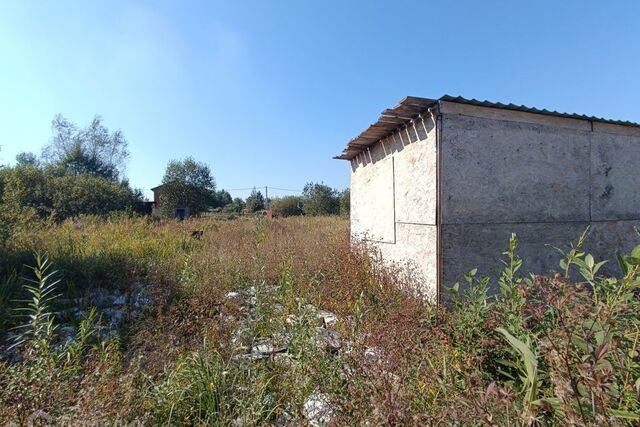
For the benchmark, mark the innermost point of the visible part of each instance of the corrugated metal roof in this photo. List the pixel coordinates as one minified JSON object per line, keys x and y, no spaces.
{"x":413,"y":107}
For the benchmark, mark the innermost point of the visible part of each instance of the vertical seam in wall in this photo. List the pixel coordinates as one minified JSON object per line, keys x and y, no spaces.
{"x":438,"y":130}
{"x":393,"y":191}
{"x":590,"y":166}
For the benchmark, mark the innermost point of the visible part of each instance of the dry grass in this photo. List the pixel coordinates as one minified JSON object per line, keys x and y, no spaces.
{"x":403,"y":361}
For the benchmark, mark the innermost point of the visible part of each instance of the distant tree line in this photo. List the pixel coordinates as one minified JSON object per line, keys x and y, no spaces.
{"x":188,"y":183}
{"x":81,"y":171}
{"x":316,"y":199}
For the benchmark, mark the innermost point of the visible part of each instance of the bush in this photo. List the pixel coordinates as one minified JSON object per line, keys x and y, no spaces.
{"x":31,"y":192}
{"x":344,"y":202}
{"x":287,"y":206}
{"x":319,"y":199}
{"x":86,"y":195}
{"x":255,"y":202}
{"x":236,"y":206}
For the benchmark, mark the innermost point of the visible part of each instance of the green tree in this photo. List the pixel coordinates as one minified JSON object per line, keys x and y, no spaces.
{"x":237,"y":205}
{"x":255,"y":202}
{"x":93,"y":150}
{"x":344,"y":202}
{"x":25,"y":194}
{"x":319,"y":199}
{"x":221,"y":199}
{"x":187,"y":183}
{"x":26,"y":158}
{"x":287,"y":206}
{"x":87,"y":194}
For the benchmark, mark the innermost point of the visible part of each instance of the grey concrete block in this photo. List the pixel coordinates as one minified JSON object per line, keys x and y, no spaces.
{"x":468,"y":246}
{"x":605,"y":238}
{"x":615,"y":177}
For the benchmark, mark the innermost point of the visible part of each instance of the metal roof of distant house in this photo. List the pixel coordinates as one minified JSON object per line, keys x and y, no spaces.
{"x":413,"y":107}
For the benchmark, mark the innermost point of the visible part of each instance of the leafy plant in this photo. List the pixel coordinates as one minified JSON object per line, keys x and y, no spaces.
{"x":527,"y":367}
{"x":75,"y":350}
{"x":39,"y":327}
{"x":573,"y":254}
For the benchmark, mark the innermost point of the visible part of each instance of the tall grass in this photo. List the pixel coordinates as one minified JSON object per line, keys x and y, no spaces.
{"x":543,"y":351}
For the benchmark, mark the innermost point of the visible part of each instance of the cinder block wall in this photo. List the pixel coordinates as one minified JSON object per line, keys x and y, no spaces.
{"x":544,"y":178}
{"x":393,"y":200}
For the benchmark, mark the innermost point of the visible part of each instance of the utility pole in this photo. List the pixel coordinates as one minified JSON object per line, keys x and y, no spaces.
{"x":266,"y":197}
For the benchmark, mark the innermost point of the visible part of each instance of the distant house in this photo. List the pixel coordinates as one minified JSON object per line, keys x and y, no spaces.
{"x":180,"y":213}
{"x":441,"y":184}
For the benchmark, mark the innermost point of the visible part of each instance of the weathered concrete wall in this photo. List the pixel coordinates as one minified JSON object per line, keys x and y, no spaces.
{"x":393,"y":205}
{"x":544,"y":178}
{"x":497,"y":171}
{"x":372,"y":211}
{"x":615,"y":177}
{"x":467,"y":246}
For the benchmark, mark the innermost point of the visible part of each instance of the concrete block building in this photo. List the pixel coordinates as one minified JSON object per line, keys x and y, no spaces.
{"x":440,"y":184}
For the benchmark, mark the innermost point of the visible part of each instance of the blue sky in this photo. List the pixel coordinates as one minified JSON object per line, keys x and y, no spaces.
{"x":266,"y":92}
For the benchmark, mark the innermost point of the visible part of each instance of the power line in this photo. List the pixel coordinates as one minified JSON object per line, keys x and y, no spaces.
{"x":286,"y":189}
{"x":266,"y":187}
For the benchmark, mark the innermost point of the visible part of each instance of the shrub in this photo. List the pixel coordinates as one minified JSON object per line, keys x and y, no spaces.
{"x":255,"y":202}
{"x":344,"y":202}
{"x":287,"y":206}
{"x":319,"y":199}
{"x":31,"y":192}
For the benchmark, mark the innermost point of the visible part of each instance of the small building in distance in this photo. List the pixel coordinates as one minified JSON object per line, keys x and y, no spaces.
{"x":442,"y":183}
{"x":180,"y":213}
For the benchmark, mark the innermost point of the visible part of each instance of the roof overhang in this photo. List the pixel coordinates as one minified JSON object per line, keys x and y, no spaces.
{"x":411,"y":108}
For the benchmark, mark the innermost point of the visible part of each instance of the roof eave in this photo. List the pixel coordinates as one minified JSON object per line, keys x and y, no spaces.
{"x":411,"y":107}
{"x":407,"y":110}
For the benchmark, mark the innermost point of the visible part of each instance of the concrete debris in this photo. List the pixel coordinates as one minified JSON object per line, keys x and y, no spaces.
{"x":284,"y":419}
{"x":275,"y":347}
{"x":327,"y":318}
{"x":328,"y":339}
{"x":250,"y":297}
{"x":267,"y":347}
{"x":67,"y":334}
{"x":8,"y":353}
{"x":140,"y":297}
{"x":232,"y":295}
{"x":318,"y":410}
{"x":101,"y":297}
{"x":119,"y":300}
{"x":114,"y":316}
{"x":372,"y":354}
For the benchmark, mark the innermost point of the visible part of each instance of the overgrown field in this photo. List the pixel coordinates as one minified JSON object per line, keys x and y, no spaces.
{"x":284,"y":322}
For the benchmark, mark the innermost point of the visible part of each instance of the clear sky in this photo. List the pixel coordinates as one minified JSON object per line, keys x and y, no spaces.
{"x":267,"y":92}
